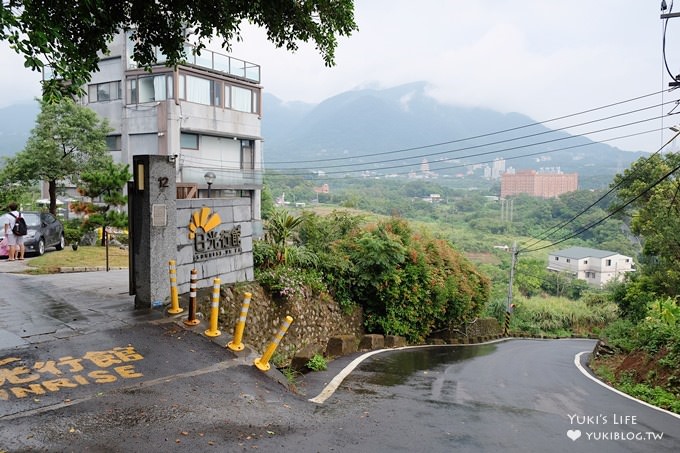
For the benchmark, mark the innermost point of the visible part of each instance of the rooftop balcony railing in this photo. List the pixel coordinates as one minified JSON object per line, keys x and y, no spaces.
{"x":210,"y":60}
{"x":224,"y":63}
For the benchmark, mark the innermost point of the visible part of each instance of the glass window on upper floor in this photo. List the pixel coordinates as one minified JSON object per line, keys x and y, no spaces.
{"x":143,"y":88}
{"x":107,"y":91}
{"x":200,"y":90}
{"x":188,"y":140}
{"x":243,"y":100}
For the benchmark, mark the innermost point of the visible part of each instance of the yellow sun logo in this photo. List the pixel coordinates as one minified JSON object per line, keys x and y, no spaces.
{"x":203,"y":219}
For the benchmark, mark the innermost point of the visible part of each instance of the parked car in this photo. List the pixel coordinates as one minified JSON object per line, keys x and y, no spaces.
{"x":44,"y":230}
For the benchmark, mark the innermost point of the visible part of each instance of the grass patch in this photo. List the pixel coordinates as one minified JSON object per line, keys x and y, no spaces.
{"x":85,"y":256}
{"x":560,"y":316}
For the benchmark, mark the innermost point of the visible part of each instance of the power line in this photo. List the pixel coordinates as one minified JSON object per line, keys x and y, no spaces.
{"x":538,"y":153}
{"x":485,"y":153}
{"x":611,"y":214}
{"x":480,"y":135}
{"x":560,"y":226}
{"x":500,"y":142}
{"x":502,"y":150}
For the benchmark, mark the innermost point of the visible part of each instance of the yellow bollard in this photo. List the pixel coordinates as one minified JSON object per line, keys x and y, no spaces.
{"x":175,"y":308}
{"x":263,"y":362}
{"x":214,"y":310}
{"x":191,"y":319}
{"x":235,"y":344}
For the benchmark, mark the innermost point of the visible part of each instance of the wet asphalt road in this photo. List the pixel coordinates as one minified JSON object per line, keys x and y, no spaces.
{"x":85,"y":372}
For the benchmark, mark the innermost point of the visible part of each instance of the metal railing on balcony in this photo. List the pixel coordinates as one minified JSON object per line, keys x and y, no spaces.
{"x":211,"y":60}
{"x":224,"y":63}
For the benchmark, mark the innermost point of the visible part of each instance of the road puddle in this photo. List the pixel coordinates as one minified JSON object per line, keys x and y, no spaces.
{"x":396,"y":367}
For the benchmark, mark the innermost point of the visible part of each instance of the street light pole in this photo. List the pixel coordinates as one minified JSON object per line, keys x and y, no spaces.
{"x":209,"y":179}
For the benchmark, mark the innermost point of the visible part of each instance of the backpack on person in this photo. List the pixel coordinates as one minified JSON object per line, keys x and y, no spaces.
{"x":20,"y":228}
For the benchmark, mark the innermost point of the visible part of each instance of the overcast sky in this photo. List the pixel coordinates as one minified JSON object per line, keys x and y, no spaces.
{"x":545,"y":59}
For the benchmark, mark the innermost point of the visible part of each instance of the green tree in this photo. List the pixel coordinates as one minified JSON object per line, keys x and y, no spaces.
{"x":72,"y":35}
{"x":649,"y":195}
{"x":66,"y":140}
{"x":104,"y":187}
{"x":529,"y":276}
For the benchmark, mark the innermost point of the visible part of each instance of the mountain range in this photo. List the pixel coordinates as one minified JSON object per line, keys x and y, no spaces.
{"x":392,"y":132}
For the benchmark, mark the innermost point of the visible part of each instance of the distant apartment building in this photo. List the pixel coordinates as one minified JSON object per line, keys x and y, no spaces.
{"x":496,"y":169}
{"x":205,"y":114}
{"x":596,"y":267}
{"x":548,"y":183}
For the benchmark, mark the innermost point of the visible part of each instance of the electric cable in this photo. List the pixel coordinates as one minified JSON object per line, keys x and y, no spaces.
{"x":538,"y":123}
{"x":663,"y":45}
{"x":485,"y":153}
{"x":560,"y":226}
{"x":611,"y":214}
{"x":498,"y":142}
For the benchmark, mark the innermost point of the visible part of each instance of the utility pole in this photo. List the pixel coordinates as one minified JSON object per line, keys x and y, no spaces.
{"x":509,"y":305}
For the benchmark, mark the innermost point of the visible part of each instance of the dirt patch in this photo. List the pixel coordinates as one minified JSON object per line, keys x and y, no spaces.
{"x":640,"y":367}
{"x":648,"y":369}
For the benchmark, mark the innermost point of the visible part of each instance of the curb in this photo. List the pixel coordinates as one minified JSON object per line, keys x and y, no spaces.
{"x":68,"y":270}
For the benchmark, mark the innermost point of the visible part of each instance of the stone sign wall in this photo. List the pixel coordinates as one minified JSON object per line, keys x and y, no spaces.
{"x":215,"y":237}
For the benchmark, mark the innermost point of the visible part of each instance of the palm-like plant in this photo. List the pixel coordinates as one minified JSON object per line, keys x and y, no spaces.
{"x":280,"y":230}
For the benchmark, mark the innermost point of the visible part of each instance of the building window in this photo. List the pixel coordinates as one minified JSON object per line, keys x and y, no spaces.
{"x":557,"y":258}
{"x":198,"y":90}
{"x":101,"y":92}
{"x":113,"y":143}
{"x":247,"y":154}
{"x":241,"y":99}
{"x":149,"y":88}
{"x":188,"y":141}
{"x":608,"y":262}
{"x":217,"y":93}
{"x":568,"y":260}
{"x":585,"y":261}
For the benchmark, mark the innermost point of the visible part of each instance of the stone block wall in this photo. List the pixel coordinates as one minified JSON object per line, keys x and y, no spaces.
{"x":315,"y":320}
{"x":481,"y":329}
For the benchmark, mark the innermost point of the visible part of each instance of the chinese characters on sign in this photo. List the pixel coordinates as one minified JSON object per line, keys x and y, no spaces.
{"x":216,"y":244}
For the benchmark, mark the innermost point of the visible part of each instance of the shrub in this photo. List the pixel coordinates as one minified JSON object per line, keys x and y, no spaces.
{"x":72,"y":235}
{"x":317,"y":363}
{"x":290,"y":282}
{"x":618,"y":334}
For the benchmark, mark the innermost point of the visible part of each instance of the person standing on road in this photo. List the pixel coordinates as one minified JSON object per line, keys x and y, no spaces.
{"x":16,"y":243}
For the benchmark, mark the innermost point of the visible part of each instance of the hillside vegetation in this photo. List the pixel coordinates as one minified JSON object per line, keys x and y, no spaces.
{"x":408,"y":283}
{"x":638,"y":319}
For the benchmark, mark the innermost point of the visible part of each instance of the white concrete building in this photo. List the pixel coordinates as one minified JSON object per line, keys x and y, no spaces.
{"x":205,"y":114}
{"x":597,"y":267}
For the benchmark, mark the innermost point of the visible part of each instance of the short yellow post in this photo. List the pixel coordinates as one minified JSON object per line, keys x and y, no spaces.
{"x":262,"y":363}
{"x":191,"y":319}
{"x":235,"y":344}
{"x":214,"y":310}
{"x":174,"y":299}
